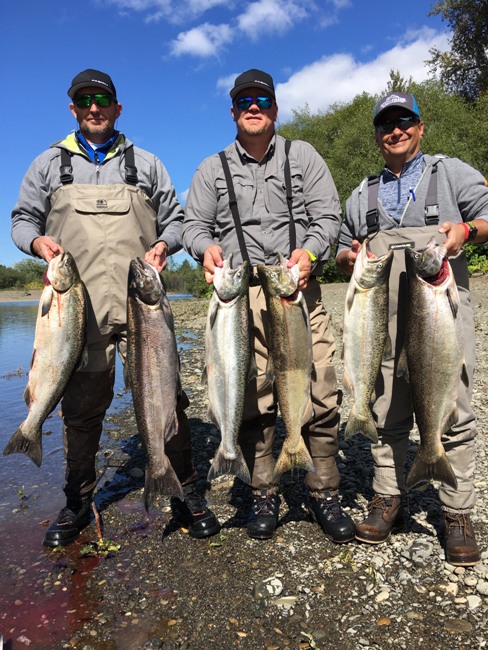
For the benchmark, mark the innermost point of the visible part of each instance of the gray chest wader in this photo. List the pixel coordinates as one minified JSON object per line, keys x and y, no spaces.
{"x":103,"y":227}
{"x":393,"y":394}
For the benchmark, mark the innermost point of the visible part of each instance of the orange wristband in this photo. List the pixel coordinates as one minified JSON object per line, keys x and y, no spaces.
{"x":466,"y":230}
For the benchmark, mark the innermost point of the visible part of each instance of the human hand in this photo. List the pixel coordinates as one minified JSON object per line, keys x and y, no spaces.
{"x":211,"y":258}
{"x":301,"y":257}
{"x":46,"y":248}
{"x":455,"y":237}
{"x":157,"y":256}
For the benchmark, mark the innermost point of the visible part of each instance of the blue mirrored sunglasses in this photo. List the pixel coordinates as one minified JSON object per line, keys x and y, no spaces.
{"x":245,"y":103}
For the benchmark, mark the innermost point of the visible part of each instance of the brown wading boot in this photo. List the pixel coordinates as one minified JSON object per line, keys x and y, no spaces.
{"x":460,"y":541}
{"x":385,"y":514}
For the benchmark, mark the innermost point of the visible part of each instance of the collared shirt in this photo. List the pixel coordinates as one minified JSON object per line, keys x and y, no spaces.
{"x":261,"y":198}
{"x":395,"y":191}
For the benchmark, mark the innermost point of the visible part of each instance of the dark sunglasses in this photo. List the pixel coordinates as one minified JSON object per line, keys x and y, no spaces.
{"x":102,"y":100}
{"x":403,"y":123}
{"x":245,"y":103}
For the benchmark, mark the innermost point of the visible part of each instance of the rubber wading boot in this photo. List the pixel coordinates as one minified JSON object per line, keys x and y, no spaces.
{"x":70,"y":522}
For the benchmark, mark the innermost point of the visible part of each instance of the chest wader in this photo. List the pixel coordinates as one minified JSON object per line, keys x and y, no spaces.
{"x":393,"y":409}
{"x":103,"y":227}
{"x":257,"y":430}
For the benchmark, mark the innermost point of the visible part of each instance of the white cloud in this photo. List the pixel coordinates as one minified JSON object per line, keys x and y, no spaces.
{"x":174,"y":11}
{"x":266,"y":16}
{"x":339,"y":78}
{"x":205,"y":40}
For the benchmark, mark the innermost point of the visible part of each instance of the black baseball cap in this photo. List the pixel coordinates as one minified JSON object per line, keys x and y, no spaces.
{"x":253,"y":79}
{"x":93,"y":78}
{"x":395,"y":100}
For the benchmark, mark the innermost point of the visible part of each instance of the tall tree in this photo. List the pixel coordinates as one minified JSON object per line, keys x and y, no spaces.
{"x":464,"y":69}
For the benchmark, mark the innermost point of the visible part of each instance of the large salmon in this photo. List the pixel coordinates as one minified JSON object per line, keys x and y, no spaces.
{"x":152,"y":372}
{"x":58,"y":346}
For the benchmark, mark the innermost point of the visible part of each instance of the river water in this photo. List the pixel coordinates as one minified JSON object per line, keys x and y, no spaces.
{"x":29,"y":496}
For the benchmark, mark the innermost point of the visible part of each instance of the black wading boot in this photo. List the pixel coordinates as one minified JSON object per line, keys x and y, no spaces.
{"x":195,"y":514}
{"x":263,"y":519}
{"x":328,"y":513}
{"x":70,"y":522}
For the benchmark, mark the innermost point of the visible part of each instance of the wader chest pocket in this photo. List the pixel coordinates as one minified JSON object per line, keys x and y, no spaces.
{"x":99,"y":204}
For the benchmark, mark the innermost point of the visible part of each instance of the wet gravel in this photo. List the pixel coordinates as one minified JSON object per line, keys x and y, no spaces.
{"x":164,"y":589}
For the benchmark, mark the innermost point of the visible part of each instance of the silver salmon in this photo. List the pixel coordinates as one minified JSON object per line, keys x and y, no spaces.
{"x":59,"y":344}
{"x":433,"y":358}
{"x":152,"y":373}
{"x":227,"y":365}
{"x":290,"y":362}
{"x":365,"y":340}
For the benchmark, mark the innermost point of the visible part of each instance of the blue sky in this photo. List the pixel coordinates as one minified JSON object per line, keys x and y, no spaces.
{"x":174,"y":61}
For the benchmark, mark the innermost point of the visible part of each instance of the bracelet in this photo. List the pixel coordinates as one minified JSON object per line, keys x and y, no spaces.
{"x":313,"y":258}
{"x":466,"y":231}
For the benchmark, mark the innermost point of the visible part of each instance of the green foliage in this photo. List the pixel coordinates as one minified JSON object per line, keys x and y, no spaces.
{"x":344,"y":137}
{"x":23,"y":275}
{"x":463,"y":69}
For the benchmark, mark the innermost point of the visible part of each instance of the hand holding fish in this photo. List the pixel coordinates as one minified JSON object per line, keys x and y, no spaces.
{"x":157,"y":256}
{"x":213,"y":257}
{"x":455,"y":237}
{"x":301,"y":257}
{"x":46,"y":248}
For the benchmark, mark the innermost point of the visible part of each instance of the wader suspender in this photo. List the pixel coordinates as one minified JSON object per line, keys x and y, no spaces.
{"x":235,"y":210}
{"x":66,"y":169}
{"x":459,"y":263}
{"x":431,"y":202}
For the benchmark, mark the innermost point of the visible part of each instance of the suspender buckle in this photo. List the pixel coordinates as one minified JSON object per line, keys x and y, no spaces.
{"x":65,"y":175}
{"x":372,"y":221}
{"x":432,"y":214}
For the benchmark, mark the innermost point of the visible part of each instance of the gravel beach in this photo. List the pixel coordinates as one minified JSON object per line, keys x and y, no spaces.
{"x":164,"y":589}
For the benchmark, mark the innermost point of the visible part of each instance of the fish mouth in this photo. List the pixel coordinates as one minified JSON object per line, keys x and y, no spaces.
{"x":440,"y":277}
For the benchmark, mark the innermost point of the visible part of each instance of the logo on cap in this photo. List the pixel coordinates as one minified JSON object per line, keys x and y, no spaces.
{"x":393,"y":99}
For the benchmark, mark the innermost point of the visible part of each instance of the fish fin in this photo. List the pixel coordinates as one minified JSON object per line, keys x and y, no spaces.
{"x":21,"y":444}
{"x":313,"y":372}
{"x":204,"y":377}
{"x":236,"y":466}
{"x":46,"y":300}
{"x":270,"y":375}
{"x":213,"y":308}
{"x":453,"y":299}
{"x":441,"y":470}
{"x":465,"y":376}
{"x":402,"y":366}
{"x":252,"y":372}
{"x":291,"y":459}
{"x":163,"y":482}
{"x":83,"y":362}
{"x":366,"y":426}
{"x":387,"y":350}
{"x":27,"y":396}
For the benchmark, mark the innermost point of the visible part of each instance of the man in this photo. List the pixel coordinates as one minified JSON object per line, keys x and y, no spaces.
{"x":256,"y":162}
{"x":404,"y":204}
{"x":107,"y":202}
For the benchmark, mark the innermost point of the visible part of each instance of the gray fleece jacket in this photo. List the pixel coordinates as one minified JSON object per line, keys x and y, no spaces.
{"x":462,"y":193}
{"x":43,"y":179}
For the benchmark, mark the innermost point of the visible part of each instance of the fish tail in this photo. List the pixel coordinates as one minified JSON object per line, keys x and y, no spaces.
{"x":298,"y":458}
{"x":364,"y":425}
{"x":236,"y":466}
{"x":21,"y":444}
{"x":165,"y":482}
{"x":441,"y":470}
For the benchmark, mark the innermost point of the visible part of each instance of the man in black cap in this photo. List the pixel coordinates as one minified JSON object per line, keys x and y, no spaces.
{"x":106,"y":201}
{"x":415,"y":197}
{"x":256,"y":161}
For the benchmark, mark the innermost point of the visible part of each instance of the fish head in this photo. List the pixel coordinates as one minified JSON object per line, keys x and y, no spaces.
{"x":228,"y":282}
{"x":62,"y":272}
{"x":145,"y":282}
{"x":369,"y":270}
{"x":279,"y":280}
{"x":426,"y":262}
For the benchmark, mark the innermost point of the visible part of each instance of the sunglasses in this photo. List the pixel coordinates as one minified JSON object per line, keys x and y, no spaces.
{"x":403,"y":123}
{"x":102,"y":100}
{"x":245,"y":103}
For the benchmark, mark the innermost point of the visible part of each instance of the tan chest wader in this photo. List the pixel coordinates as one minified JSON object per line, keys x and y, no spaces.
{"x":393,"y":409}
{"x":103,"y":227}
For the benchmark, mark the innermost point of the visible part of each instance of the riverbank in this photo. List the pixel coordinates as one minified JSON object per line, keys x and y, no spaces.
{"x":163,"y":589}
{"x":19,"y":295}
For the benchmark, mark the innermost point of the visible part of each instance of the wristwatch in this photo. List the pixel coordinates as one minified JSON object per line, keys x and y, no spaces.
{"x":473,"y":231}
